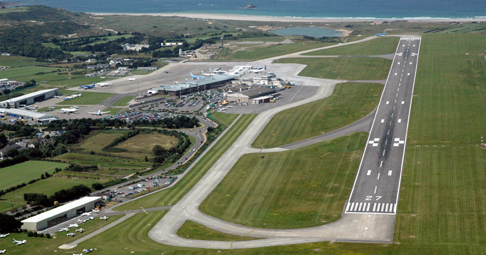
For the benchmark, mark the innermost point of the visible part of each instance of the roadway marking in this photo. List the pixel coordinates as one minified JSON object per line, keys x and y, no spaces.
{"x":398,"y":89}
{"x":399,"y":84}
{"x":392,"y":112}
{"x":369,"y":172}
{"x":375,"y":189}
{"x":393,"y":109}
{"x":378,"y":176}
{"x":395,"y":100}
{"x":403,"y":102}
{"x":398,"y":142}
{"x":387,"y":102}
{"x":408,"y":74}
{"x":390,"y":172}
{"x":400,"y":79}
{"x":374,"y":207}
{"x":388,"y":133}
{"x":399,"y":120}
{"x":396,"y":95}
{"x":395,"y":73}
{"x":381,"y":164}
{"x":382,"y":120}
{"x":398,"y":62}
{"x":410,"y":62}
{"x":374,"y":142}
{"x":384,"y":152}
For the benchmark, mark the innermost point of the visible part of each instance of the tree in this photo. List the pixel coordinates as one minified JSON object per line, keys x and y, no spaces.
{"x":3,"y":141}
{"x":9,"y":224}
{"x":12,"y":153}
{"x":97,"y":186}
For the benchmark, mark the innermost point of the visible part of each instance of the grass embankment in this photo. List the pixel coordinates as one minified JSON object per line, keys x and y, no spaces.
{"x":343,"y":68}
{"x":349,"y":103}
{"x":224,"y":118}
{"x":174,"y":194}
{"x":193,"y":230}
{"x":293,"y":189}
{"x":257,"y":52}
{"x":87,"y":98}
{"x":17,"y":61}
{"x":378,"y":46}
{"x":24,"y":172}
{"x":124,"y":101}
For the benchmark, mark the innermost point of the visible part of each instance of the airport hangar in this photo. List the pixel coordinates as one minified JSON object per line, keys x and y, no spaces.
{"x":60,"y":214}
{"x":30,"y":98}
{"x":35,"y":116}
{"x":188,"y":87}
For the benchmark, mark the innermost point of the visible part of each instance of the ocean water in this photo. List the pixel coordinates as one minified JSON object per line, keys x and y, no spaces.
{"x":357,"y":9}
{"x":308,"y":31}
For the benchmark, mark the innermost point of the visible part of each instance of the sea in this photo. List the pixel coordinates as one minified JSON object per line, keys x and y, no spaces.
{"x":345,"y":9}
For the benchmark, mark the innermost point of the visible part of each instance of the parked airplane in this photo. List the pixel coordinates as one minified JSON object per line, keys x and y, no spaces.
{"x":88,"y":250}
{"x":19,"y":242}
{"x":81,"y":221}
{"x":71,"y":234}
{"x":207,"y":74}
{"x":3,"y":251}
{"x":104,"y":218}
{"x":3,"y":236}
{"x":72,"y":96}
{"x":90,"y":218}
{"x":81,"y":230}
{"x":69,"y":110}
{"x":102,"y":84}
{"x":64,"y":229}
{"x":88,"y":86}
{"x":99,"y":112}
{"x":258,"y":69}
{"x":86,"y":214}
{"x":197,"y":77}
{"x":217,"y":71}
{"x":73,"y":225}
{"x":131,"y":79}
{"x":96,"y":210}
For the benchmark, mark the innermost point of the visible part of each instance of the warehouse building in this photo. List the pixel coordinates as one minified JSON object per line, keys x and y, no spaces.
{"x":30,"y":98}
{"x":60,"y":214}
{"x":27,"y":115}
{"x":189,"y":87}
{"x":247,"y":95}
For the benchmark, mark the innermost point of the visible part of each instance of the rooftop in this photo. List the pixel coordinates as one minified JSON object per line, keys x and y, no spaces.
{"x":198,"y":82}
{"x":33,"y":94}
{"x":30,"y":114}
{"x":62,"y":209}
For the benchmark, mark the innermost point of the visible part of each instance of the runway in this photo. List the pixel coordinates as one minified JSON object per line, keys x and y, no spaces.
{"x":377,"y":183}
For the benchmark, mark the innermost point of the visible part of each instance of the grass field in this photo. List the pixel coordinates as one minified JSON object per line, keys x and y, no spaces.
{"x":193,"y":230}
{"x":87,"y":98}
{"x":47,"y":186}
{"x":24,"y":172}
{"x":224,"y":118}
{"x":7,"y":206}
{"x":262,"y":52}
{"x":143,"y":144}
{"x":348,"y":103}
{"x":172,"y":195}
{"x":124,"y":101}
{"x":17,"y":61}
{"x":343,"y":68}
{"x":102,"y":161}
{"x":113,"y":110}
{"x":378,"y":46}
{"x":293,"y":189}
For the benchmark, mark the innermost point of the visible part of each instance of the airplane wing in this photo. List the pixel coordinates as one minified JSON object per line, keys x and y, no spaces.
{"x":105,"y":112}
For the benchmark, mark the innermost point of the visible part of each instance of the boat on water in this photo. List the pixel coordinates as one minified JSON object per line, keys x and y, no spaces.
{"x":249,"y":6}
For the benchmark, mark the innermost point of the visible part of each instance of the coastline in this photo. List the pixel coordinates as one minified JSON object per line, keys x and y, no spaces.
{"x":286,"y":19}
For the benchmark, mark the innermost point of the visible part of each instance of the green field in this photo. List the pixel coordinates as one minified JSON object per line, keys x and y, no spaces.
{"x":172,"y":195}
{"x":87,"y":98}
{"x":348,"y":103}
{"x":24,"y":172}
{"x":224,"y":118}
{"x":124,"y":101}
{"x":47,"y":186}
{"x":343,"y":68}
{"x":17,"y":61}
{"x":262,"y":52}
{"x":378,"y":46}
{"x":113,"y":110}
{"x":7,"y":206}
{"x":193,"y":230}
{"x":293,"y":189}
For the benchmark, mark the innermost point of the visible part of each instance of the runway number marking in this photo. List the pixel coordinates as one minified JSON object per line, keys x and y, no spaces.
{"x":369,"y":172}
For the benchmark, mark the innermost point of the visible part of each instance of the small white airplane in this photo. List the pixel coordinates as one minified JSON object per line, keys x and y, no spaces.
{"x":64,"y":229}
{"x":88,"y":250}
{"x":102,"y":84}
{"x":131,"y":79}
{"x":217,"y":71}
{"x":19,"y":242}
{"x":208,"y":74}
{"x":104,"y":218}
{"x":3,"y":236}
{"x":69,"y":110}
{"x":81,"y":221}
{"x":86,"y":214}
{"x":90,"y":218}
{"x":81,"y":230}
{"x":71,"y":234}
{"x":99,"y":112}
{"x":3,"y":251}
{"x":75,"y":225}
{"x":96,"y":210}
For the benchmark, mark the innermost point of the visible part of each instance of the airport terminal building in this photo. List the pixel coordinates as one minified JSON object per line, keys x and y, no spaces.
{"x":28,"y":115}
{"x":30,"y":98}
{"x":60,"y":214}
{"x":189,"y":87}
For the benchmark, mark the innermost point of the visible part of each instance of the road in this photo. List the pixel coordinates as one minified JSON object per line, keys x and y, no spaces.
{"x":377,"y":183}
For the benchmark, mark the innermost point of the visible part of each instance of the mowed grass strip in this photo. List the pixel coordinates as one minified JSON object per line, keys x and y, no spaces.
{"x":262,"y":52}
{"x":47,"y":186}
{"x":347,"y":68}
{"x":193,"y":230}
{"x":378,"y":46}
{"x":17,"y":61}
{"x":124,"y":101}
{"x":293,"y":189}
{"x":26,"y":171}
{"x":224,"y":118}
{"x":174,"y":194}
{"x":87,"y":98}
{"x":348,"y":103}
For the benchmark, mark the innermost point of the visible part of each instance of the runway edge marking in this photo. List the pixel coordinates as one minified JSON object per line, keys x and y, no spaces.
{"x":374,"y":119}
{"x":408,"y":121}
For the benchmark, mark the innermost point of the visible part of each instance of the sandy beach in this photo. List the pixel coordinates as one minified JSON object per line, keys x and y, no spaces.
{"x":210,"y":16}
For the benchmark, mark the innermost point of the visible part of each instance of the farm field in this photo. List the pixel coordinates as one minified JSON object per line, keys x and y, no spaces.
{"x":348,"y":103}
{"x":87,"y":98}
{"x":193,"y":230}
{"x":47,"y":186}
{"x":292,"y":189}
{"x":343,"y":68}
{"x":124,"y":101}
{"x":24,"y":172}
{"x":174,"y":194}
{"x":378,"y":46}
